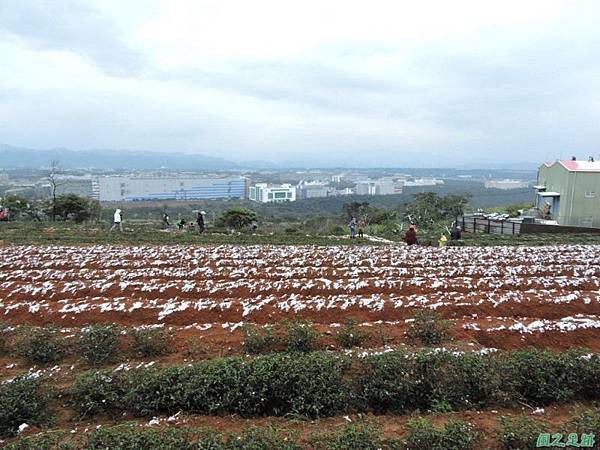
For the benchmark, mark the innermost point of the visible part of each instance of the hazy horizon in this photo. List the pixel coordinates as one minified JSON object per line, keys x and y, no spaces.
{"x":386,"y":84}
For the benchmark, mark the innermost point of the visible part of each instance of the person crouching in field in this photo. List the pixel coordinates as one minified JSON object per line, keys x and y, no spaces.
{"x":117,"y":221}
{"x":411,"y":235}
{"x":200,"y":222}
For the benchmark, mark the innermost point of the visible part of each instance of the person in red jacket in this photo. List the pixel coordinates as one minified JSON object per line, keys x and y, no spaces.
{"x":411,"y":235}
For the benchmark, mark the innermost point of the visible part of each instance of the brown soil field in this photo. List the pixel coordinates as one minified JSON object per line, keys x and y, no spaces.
{"x":496,"y":298}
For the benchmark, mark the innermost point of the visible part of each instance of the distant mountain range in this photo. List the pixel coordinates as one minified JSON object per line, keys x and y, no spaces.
{"x":15,"y":157}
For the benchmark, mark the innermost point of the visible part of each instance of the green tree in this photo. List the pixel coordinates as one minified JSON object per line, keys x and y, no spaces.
{"x":16,"y":206}
{"x":72,"y":207}
{"x":355,"y":209}
{"x":238,"y":218}
{"x":428,"y":208}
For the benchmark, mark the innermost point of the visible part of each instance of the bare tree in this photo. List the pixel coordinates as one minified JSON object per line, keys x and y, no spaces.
{"x":53,"y":176}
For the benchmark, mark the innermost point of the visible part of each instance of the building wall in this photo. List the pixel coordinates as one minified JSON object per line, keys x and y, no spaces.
{"x":272,"y":194}
{"x":83,"y":188}
{"x":169,"y":188}
{"x":579,"y":203}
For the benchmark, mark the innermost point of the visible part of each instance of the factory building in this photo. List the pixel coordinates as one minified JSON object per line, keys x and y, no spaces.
{"x":173,"y":187}
{"x":569,"y":192}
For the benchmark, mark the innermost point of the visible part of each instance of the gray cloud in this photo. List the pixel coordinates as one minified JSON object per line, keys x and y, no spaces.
{"x":73,"y":26}
{"x":530,"y":94}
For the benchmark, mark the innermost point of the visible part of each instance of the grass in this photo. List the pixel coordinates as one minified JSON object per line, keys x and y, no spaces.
{"x":61,"y":233}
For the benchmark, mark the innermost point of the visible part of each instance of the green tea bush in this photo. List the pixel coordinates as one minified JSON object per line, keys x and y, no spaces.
{"x":586,"y":420}
{"x":257,"y":341}
{"x":52,"y":440}
{"x":132,"y":437}
{"x":428,"y":328}
{"x":521,"y":433}
{"x":455,"y":435}
{"x":157,"y":390}
{"x":265,"y":438}
{"x":354,"y":436}
{"x":399,"y":382}
{"x":37,"y":345}
{"x":312,"y":385}
{"x":99,"y":344}
{"x":301,"y":337}
{"x":214,"y":386}
{"x":22,"y":400}
{"x":4,"y":334}
{"x":150,"y":342}
{"x":101,"y":392}
{"x":542,"y":377}
{"x":349,"y":335}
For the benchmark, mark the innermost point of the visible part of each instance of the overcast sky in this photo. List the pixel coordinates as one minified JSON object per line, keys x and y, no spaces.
{"x":422,"y":83}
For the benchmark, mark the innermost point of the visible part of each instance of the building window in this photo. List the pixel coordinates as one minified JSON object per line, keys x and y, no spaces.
{"x":270,"y":195}
{"x":590,"y":194}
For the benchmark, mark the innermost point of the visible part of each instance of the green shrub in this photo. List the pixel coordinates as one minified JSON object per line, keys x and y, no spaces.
{"x":399,"y":382}
{"x":386,"y":382}
{"x":521,"y":433}
{"x":4,"y":333}
{"x":256,"y":342}
{"x":149,"y":342}
{"x":300,"y":337}
{"x":455,"y":435}
{"x":40,"y":345}
{"x":101,"y":392}
{"x":155,"y":391}
{"x":214,"y":386}
{"x":311,"y":385}
{"x":264,"y":438}
{"x":350,"y":336}
{"x":99,"y":344}
{"x":52,"y":440}
{"x":428,"y":328}
{"x":132,"y":437}
{"x":542,"y":377}
{"x":22,"y":400}
{"x":586,"y":420}
{"x":354,"y":436}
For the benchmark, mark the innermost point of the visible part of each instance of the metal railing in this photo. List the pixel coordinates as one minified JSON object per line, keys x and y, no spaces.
{"x":490,"y":226}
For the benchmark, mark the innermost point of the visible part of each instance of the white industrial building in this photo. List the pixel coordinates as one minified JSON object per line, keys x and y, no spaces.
{"x":383,"y":186}
{"x":506,"y":184}
{"x":169,"y":187}
{"x":314,"y":189}
{"x":270,"y":193}
{"x":424,"y":182}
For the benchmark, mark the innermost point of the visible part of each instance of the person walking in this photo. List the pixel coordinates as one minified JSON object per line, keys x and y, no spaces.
{"x":117,"y":221}
{"x":166,"y":222}
{"x":200,"y":222}
{"x":352,"y":228}
{"x":361,"y":228}
{"x":411,"y":235}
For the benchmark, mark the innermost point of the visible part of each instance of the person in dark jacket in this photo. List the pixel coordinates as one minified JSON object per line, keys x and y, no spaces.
{"x":200,"y":222}
{"x":166,"y":222}
{"x":456,"y":233}
{"x":411,"y":235}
